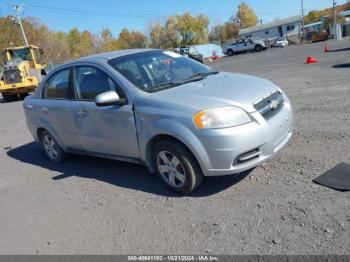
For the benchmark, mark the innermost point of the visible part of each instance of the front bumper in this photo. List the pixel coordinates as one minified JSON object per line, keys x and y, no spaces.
{"x":27,"y":85}
{"x":234,"y":150}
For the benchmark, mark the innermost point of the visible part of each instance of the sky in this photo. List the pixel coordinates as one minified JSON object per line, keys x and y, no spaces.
{"x":95,"y":15}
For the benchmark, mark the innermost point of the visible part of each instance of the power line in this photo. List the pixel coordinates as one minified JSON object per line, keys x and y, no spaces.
{"x":65,"y":11}
{"x":96,"y":13}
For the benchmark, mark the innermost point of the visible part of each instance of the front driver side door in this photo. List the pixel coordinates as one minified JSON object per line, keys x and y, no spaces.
{"x":106,"y":130}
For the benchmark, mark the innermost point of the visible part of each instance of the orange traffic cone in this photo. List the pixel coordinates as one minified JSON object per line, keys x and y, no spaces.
{"x":311,"y":60}
{"x":326,"y":48}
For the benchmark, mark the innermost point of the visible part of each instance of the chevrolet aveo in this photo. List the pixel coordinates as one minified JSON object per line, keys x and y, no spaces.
{"x":180,"y":118}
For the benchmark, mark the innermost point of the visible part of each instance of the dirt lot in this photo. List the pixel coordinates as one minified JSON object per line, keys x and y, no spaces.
{"x":95,"y":206}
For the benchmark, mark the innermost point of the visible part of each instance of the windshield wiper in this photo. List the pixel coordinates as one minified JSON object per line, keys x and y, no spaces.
{"x":193,"y":78}
{"x":168,"y":85}
{"x":202,"y":75}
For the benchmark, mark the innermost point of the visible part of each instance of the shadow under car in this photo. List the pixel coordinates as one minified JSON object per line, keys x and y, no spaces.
{"x":117,"y":173}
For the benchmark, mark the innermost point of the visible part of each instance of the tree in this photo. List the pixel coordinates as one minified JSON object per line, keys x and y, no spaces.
{"x":55,"y":47}
{"x":157,"y":35}
{"x":317,"y":15}
{"x":54,"y":44}
{"x":73,"y":39}
{"x":192,"y":29}
{"x":225,"y":32}
{"x":86,"y":44}
{"x":246,"y":16}
{"x":314,"y":16}
{"x":179,"y":30}
{"x":105,"y":42}
{"x":171,"y":32}
{"x":133,"y":39}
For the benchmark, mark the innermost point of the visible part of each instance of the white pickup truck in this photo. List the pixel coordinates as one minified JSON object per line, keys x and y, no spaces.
{"x":244,"y":45}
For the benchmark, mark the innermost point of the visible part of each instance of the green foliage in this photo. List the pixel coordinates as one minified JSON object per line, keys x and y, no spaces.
{"x":179,"y":30}
{"x":316,"y":15}
{"x":133,"y":39}
{"x":246,"y":16}
{"x":192,"y":29}
{"x":59,"y":46}
{"x":224,"y":33}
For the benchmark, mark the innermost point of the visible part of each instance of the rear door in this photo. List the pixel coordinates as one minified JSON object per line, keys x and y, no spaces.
{"x":108,"y":129}
{"x":55,"y":108}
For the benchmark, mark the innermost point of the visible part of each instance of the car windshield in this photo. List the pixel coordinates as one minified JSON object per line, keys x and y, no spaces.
{"x":153,"y":71}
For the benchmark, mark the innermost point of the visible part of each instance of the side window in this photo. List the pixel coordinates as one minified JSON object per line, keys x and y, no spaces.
{"x":58,"y":86}
{"x":89,"y":82}
{"x":290,"y":27}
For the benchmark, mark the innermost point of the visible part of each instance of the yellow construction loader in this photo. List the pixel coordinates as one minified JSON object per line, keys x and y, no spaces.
{"x":22,"y":72}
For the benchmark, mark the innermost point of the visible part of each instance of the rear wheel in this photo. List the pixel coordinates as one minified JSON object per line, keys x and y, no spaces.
{"x":9,"y":98}
{"x":258,"y":48}
{"x":52,"y":149}
{"x":176,"y":167}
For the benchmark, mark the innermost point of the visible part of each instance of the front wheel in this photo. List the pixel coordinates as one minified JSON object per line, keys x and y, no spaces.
{"x":230,"y":52}
{"x":176,"y":167}
{"x":52,"y":149}
{"x":24,"y":95}
{"x":9,"y":98}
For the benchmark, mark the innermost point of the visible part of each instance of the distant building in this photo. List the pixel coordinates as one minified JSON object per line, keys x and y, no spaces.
{"x":314,"y":27}
{"x":319,"y":26}
{"x":346,"y":27}
{"x":289,"y":27}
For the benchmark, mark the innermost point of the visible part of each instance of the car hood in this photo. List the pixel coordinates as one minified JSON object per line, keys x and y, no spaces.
{"x":223,"y":89}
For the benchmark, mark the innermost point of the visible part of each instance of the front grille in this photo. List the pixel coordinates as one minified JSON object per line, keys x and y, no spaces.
{"x":270,"y":105}
{"x":12,"y":76}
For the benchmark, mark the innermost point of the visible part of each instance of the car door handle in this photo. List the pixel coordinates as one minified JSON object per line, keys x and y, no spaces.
{"x":44,"y":110}
{"x":83,"y":112}
{"x":31,"y":107}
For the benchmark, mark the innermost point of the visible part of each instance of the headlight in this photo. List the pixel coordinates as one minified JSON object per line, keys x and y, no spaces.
{"x":221,"y":117}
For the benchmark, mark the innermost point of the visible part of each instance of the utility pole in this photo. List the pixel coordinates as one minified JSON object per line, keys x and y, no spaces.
{"x":335,"y":21}
{"x":302,"y":22}
{"x":18,"y":10}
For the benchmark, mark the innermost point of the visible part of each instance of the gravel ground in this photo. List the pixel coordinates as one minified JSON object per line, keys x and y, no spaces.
{"x":96,"y":206}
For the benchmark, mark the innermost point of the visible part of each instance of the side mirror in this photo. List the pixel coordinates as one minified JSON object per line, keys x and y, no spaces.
{"x":109,"y":98}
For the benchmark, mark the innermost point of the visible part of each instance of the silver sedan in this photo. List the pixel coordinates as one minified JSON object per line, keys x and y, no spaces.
{"x":180,"y":118}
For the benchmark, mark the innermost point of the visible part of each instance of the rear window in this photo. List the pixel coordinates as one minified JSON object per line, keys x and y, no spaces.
{"x":58,"y":86}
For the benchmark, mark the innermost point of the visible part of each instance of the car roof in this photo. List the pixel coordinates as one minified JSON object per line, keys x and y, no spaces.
{"x":113,"y":54}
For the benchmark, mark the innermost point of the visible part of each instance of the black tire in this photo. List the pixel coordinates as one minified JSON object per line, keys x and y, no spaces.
{"x":9,"y":98}
{"x":59,"y":156}
{"x":22,"y":96}
{"x":230,"y":52}
{"x":188,"y":166}
{"x":258,"y":48}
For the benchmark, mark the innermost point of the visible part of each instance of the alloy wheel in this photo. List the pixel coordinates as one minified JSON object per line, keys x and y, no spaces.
{"x":171,"y":169}
{"x":50,"y":147}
